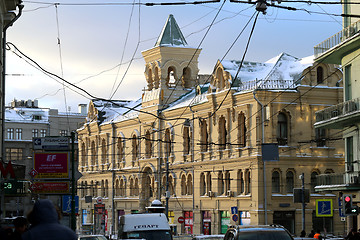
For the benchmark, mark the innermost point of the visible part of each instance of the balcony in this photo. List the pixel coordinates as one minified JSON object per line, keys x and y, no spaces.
{"x":338,"y":181}
{"x":339,"y":116}
{"x":340,"y":37}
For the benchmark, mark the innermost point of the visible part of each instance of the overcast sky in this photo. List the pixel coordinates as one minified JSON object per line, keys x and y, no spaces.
{"x":96,"y":36}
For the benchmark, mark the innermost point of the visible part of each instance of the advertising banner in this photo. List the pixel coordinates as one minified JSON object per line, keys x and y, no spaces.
{"x":51,"y":165}
{"x":50,"y":187}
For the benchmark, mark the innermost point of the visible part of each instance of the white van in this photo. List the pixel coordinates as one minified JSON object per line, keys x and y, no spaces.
{"x":149,"y":226}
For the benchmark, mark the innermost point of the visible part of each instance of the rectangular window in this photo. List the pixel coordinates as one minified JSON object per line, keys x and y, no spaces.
{"x":18,"y":134}
{"x":10,"y":133}
{"x":37,"y":117}
{"x":43,"y":133}
{"x":349,"y":154}
{"x":13,"y":154}
{"x":63,"y":133}
{"x":35,"y":133}
{"x":320,"y":137}
{"x":347,"y":85}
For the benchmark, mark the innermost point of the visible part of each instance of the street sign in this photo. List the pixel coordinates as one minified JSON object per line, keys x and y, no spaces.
{"x":51,"y":143}
{"x":324,"y":208}
{"x":33,"y":173}
{"x":235,"y":217}
{"x":51,"y":165}
{"x":50,"y":187}
{"x":7,"y":170}
{"x":234,"y":210}
{"x":181,"y":219}
{"x":66,"y":204}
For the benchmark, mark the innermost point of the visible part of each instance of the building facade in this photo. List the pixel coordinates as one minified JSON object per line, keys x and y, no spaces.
{"x":25,"y":120}
{"x":344,"y":49}
{"x":195,"y":143}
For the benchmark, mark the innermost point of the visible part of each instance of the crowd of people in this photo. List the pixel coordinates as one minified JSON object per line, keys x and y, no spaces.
{"x":41,"y":223}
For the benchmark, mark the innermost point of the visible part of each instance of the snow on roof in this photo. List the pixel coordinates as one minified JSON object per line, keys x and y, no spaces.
{"x":283,"y":67}
{"x":190,"y":99}
{"x":23,"y":114}
{"x":117,"y":110}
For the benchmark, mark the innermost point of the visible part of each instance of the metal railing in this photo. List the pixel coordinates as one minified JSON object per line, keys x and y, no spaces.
{"x":336,"y":39}
{"x":339,"y":110}
{"x":267,"y":84}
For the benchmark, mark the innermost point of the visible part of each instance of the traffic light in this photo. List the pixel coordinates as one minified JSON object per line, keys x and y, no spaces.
{"x":348,"y":207}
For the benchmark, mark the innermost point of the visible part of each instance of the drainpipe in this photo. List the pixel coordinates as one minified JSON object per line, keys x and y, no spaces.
{"x":264,"y":163}
{"x":20,"y":6}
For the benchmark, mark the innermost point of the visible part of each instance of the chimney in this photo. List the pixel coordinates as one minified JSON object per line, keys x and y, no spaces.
{"x":82,"y":108}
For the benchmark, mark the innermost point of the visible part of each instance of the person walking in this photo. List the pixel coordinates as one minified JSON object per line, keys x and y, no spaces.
{"x":20,"y":224}
{"x":353,"y":235}
{"x":45,"y":224}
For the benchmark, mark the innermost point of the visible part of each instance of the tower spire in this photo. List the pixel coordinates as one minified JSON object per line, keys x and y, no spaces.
{"x":171,"y":34}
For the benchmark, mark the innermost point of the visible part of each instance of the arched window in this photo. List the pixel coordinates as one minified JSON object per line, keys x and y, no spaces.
{"x":313,"y":180}
{"x":183,"y":185}
{"x":208,"y":182}
{"x":289,"y":182}
{"x":221,"y":184}
{"x":171,"y":77}
{"x":227,"y":181}
{"x":242,"y":130}
{"x":132,"y":187}
{"x":204,"y":136}
{"x":83,"y":155}
{"x":93,"y":155}
{"x":106,"y":188}
{"x":186,"y":77}
{"x":117,"y":187}
{"x":319,"y":75}
{"x":220,"y":78}
{"x":135,"y":149}
{"x":222,"y":133}
{"x":282,"y":129}
{"x":240,"y":182}
{"x":136,"y":187}
{"x":102,"y":188}
{"x":103,"y":152}
{"x":167,"y":142}
{"x":171,"y":185}
{"x":186,"y":137}
{"x":189,"y":185}
{"x":120,"y":152}
{"x":150,"y":80}
{"x":122,"y":187}
{"x":202,"y":184}
{"x":148,"y":144}
{"x":275,"y":182}
{"x":247,"y":181}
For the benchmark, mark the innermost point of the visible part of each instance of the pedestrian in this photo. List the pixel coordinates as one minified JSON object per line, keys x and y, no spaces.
{"x":303,"y":233}
{"x":45,"y":224}
{"x":20,"y":224}
{"x":318,"y":235}
{"x":311,"y":234}
{"x":353,"y":235}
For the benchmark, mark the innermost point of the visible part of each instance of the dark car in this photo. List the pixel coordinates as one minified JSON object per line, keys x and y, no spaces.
{"x":259,"y":232}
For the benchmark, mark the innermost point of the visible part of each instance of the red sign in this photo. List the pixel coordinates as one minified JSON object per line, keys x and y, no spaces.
{"x":50,"y":187}
{"x":8,"y":170}
{"x":33,"y":173}
{"x":181,"y":220}
{"x":52,"y":165}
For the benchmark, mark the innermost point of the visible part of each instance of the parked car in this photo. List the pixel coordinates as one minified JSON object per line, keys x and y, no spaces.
{"x":209,"y":237}
{"x":259,"y":232}
{"x":92,"y":237}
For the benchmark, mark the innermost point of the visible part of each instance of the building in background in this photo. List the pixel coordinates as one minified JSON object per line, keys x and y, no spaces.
{"x":195,"y":143}
{"x":25,"y":120}
{"x":344,"y":49}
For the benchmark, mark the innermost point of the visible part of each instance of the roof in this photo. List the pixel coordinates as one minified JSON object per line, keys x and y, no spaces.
{"x":283,"y":70}
{"x":171,"y":34}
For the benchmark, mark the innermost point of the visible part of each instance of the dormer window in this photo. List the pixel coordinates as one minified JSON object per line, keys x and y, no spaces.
{"x":37,"y":117}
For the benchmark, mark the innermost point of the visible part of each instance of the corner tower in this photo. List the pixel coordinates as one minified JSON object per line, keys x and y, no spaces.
{"x":171,"y":67}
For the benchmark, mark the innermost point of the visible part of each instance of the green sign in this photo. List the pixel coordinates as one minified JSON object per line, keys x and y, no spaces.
{"x":13,"y":187}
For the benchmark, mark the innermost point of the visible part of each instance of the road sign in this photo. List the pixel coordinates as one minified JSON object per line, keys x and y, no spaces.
{"x":50,"y":187}
{"x":33,"y":173}
{"x":51,"y":165}
{"x":234,"y":210}
{"x":66,"y":204}
{"x":324,"y":208}
{"x":235,"y":217}
{"x":51,"y":143}
{"x":181,"y":219}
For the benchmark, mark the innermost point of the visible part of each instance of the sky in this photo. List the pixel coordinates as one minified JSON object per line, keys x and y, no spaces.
{"x":96,"y":44}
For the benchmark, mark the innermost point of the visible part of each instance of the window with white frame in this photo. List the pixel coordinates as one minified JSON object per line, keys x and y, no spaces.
{"x":18,"y":134}
{"x":35,"y":132}
{"x":10,"y":133}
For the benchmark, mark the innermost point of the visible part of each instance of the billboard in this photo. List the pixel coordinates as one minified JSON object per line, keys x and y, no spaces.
{"x":51,"y":165}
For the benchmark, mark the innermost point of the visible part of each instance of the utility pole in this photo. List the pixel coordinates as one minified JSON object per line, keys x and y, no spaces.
{"x":73,"y":184}
{"x":303,"y":199}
